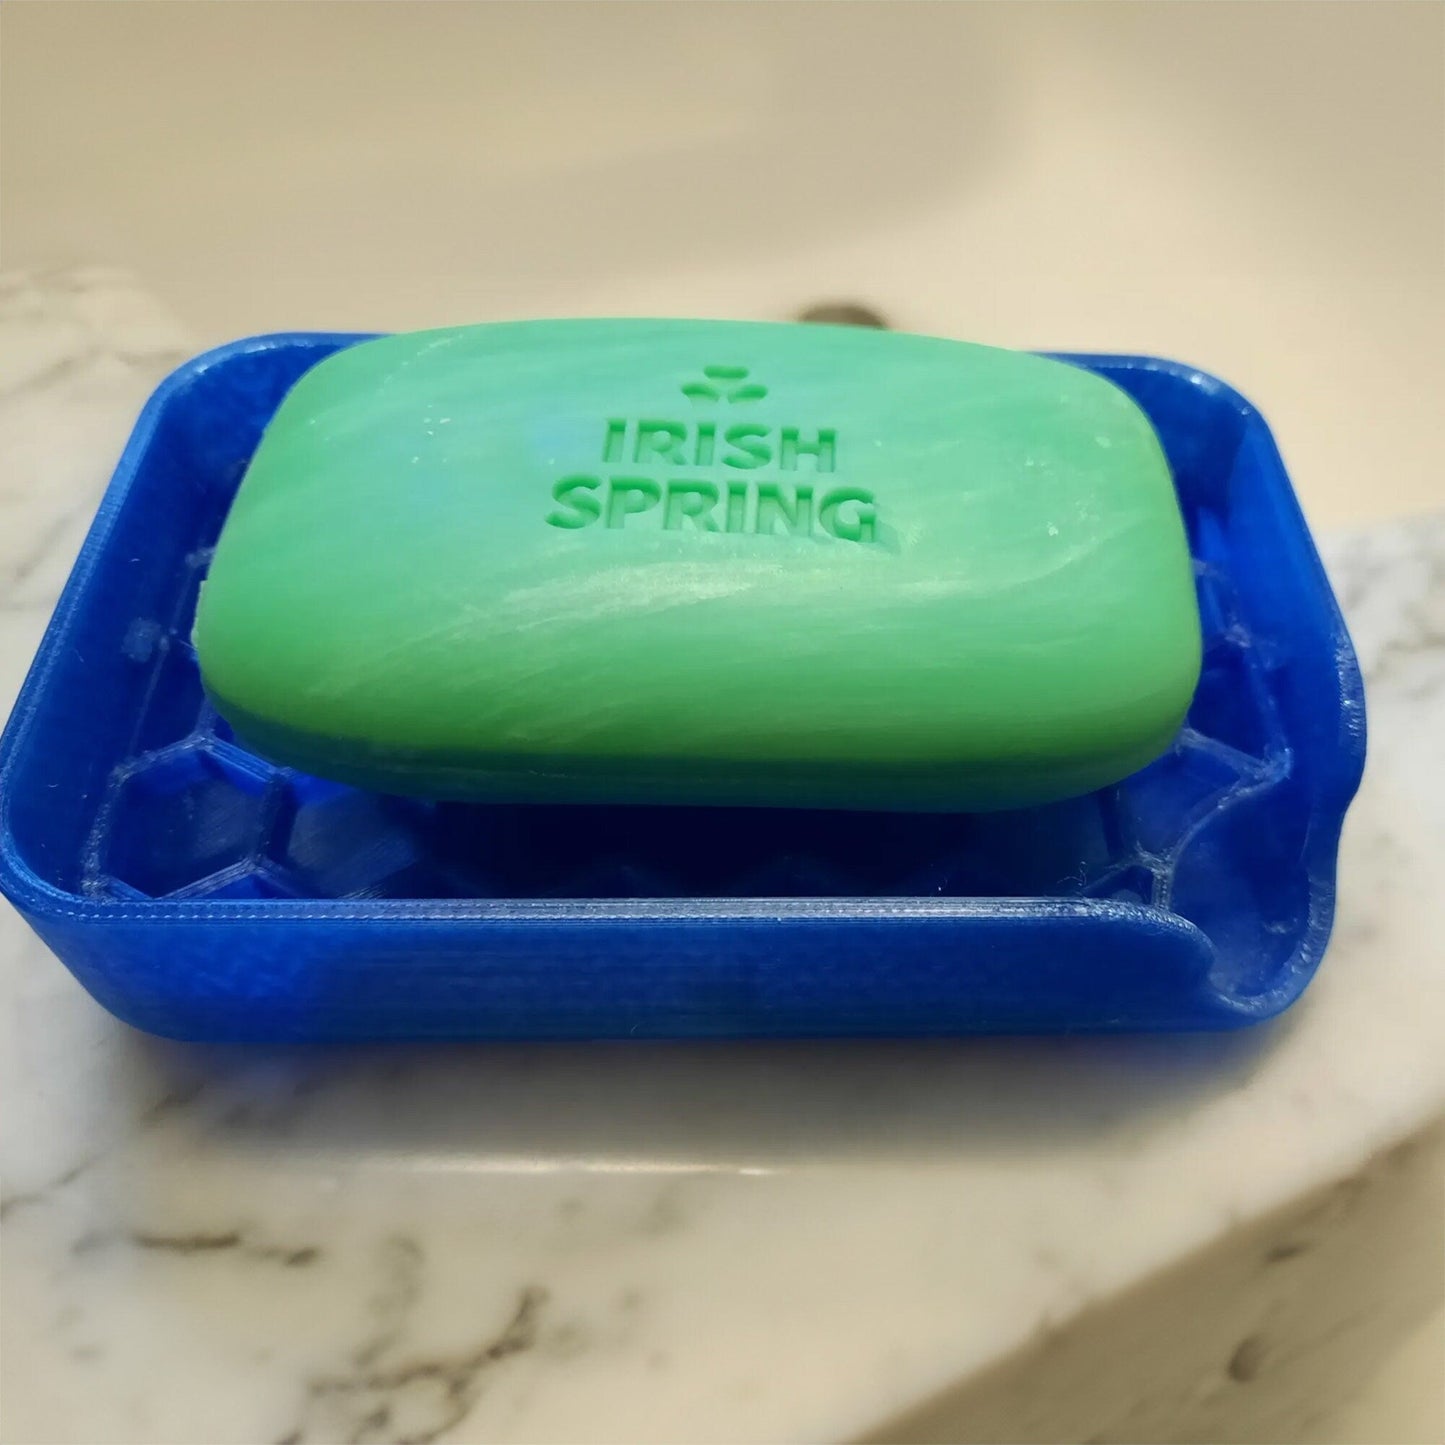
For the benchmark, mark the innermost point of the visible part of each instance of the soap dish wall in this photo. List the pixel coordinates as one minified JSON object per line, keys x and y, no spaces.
{"x":199,"y":891}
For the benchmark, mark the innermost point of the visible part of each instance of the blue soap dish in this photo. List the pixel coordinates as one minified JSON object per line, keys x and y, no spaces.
{"x":198,"y":891}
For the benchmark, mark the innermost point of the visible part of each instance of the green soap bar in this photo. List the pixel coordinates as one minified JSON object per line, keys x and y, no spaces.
{"x":704,"y":562}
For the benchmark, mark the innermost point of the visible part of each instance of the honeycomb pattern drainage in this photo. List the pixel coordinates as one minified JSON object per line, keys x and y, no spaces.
{"x":190,"y":814}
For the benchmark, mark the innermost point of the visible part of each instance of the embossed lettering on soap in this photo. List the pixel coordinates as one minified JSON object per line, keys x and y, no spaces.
{"x":786,"y":506}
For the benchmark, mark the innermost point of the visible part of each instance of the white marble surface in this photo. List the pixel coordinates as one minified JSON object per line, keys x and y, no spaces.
{"x":716,"y":1242}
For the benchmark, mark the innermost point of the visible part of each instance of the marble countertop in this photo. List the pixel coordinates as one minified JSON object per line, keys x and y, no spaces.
{"x":702,"y":1242}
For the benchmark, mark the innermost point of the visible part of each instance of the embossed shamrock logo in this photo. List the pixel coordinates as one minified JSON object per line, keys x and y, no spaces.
{"x":724,"y":383}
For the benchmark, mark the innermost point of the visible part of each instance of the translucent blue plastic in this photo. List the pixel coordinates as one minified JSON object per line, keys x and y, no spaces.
{"x":199,"y":891}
